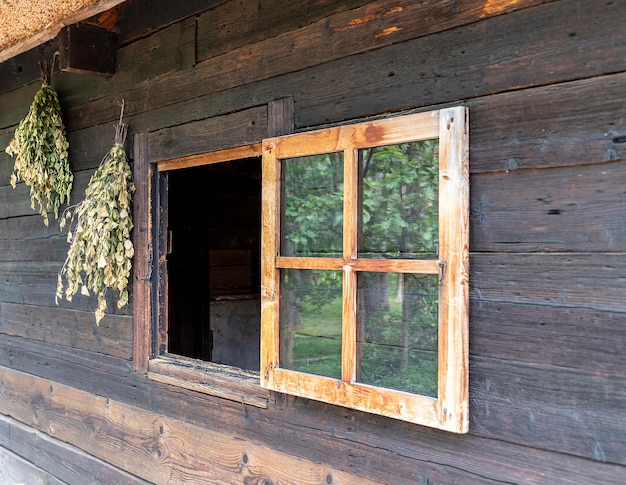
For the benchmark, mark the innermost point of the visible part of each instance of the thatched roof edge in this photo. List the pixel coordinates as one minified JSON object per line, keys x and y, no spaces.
{"x":29,"y":24}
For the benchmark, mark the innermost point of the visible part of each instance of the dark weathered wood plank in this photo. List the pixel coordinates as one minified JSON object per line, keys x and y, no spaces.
{"x":145,"y":440}
{"x":62,"y":463}
{"x":572,"y":280}
{"x":228,"y":26}
{"x":515,"y":386}
{"x":28,"y":239}
{"x":347,"y":34}
{"x":132,"y":20}
{"x":24,"y":68}
{"x":87,"y":49}
{"x":72,"y":328}
{"x":487,"y":57}
{"x":549,"y":408}
{"x":280,"y":117}
{"x":574,"y":338}
{"x":578,"y":208}
{"x":6,"y":162}
{"x":15,"y":202}
{"x":169,"y":49}
{"x":15,"y":470}
{"x":228,"y":131}
{"x":15,"y":104}
{"x":353,"y":440}
{"x":92,"y":371}
{"x":566,"y":124}
{"x":35,"y":282}
{"x":140,"y":18}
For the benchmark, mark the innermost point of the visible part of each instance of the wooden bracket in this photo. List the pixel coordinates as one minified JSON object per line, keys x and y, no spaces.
{"x":87,"y":49}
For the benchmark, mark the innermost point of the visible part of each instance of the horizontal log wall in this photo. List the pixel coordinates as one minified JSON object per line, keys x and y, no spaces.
{"x":545,"y":83}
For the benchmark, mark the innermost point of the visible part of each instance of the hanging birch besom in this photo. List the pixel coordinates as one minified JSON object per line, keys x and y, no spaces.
{"x":40,"y":149}
{"x":101,"y":250}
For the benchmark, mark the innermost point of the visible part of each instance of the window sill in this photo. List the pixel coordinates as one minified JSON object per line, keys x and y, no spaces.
{"x":217,"y":380}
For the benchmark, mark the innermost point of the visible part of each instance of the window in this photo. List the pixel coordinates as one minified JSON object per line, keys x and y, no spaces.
{"x":364,"y":279}
{"x":206,"y":328}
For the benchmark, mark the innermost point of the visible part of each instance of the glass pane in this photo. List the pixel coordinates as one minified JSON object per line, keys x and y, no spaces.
{"x":399,"y":201}
{"x":397,"y":331}
{"x":312,"y":212}
{"x":310,"y":321}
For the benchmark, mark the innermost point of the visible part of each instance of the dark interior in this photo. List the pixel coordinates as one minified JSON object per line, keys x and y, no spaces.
{"x":214,"y":214}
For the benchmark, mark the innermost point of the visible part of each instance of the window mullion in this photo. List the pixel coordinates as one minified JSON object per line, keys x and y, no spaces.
{"x":350,"y":219}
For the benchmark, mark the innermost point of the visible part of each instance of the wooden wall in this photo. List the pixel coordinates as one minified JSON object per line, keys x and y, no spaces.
{"x":545,"y":83}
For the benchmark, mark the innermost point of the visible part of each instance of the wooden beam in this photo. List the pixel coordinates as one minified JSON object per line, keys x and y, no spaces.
{"x":87,"y":49}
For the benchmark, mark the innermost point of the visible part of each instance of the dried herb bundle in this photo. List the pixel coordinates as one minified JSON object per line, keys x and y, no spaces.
{"x":100,"y":250}
{"x":40,"y":147}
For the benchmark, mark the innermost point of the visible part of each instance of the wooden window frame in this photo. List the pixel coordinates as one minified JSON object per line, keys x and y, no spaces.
{"x":149,"y":265}
{"x":150,"y":290}
{"x":449,"y":410}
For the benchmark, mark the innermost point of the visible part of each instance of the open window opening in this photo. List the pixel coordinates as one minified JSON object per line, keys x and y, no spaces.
{"x":212,"y":215}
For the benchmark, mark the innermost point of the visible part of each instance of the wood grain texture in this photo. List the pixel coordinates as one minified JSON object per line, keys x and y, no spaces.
{"x":570,"y":123}
{"x":549,"y":406}
{"x":479,"y":59}
{"x":161,"y":451}
{"x":352,"y":440}
{"x":550,"y":335}
{"x":226,"y":27}
{"x":219,"y":156}
{"x":270,"y":275}
{"x":578,"y":208}
{"x":27,"y":239}
{"x":14,"y":469}
{"x":346,"y":34}
{"x":385,"y":266}
{"x":69,"y":327}
{"x":453,"y":324}
{"x":62,"y":463}
{"x":140,"y":18}
{"x":573,"y":123}
{"x":218,"y":380}
{"x":544,"y":82}
{"x":228,"y":131}
{"x":35,"y":282}
{"x":594,"y":281}
{"x":143,"y":263}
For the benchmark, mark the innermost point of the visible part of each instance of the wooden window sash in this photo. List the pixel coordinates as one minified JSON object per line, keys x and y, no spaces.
{"x":449,"y":410}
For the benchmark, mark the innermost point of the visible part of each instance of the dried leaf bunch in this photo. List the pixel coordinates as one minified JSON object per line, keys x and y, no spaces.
{"x":101,"y":250}
{"x":40,"y":148}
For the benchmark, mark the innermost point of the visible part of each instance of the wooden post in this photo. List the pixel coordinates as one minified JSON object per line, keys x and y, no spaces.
{"x":280,"y":117}
{"x":142,"y":275}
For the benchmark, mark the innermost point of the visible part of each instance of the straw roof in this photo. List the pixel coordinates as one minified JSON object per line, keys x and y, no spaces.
{"x":25,"y":24}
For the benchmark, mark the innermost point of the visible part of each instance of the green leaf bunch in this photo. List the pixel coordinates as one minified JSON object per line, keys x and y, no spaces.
{"x":101,"y":250}
{"x":41,"y":158}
